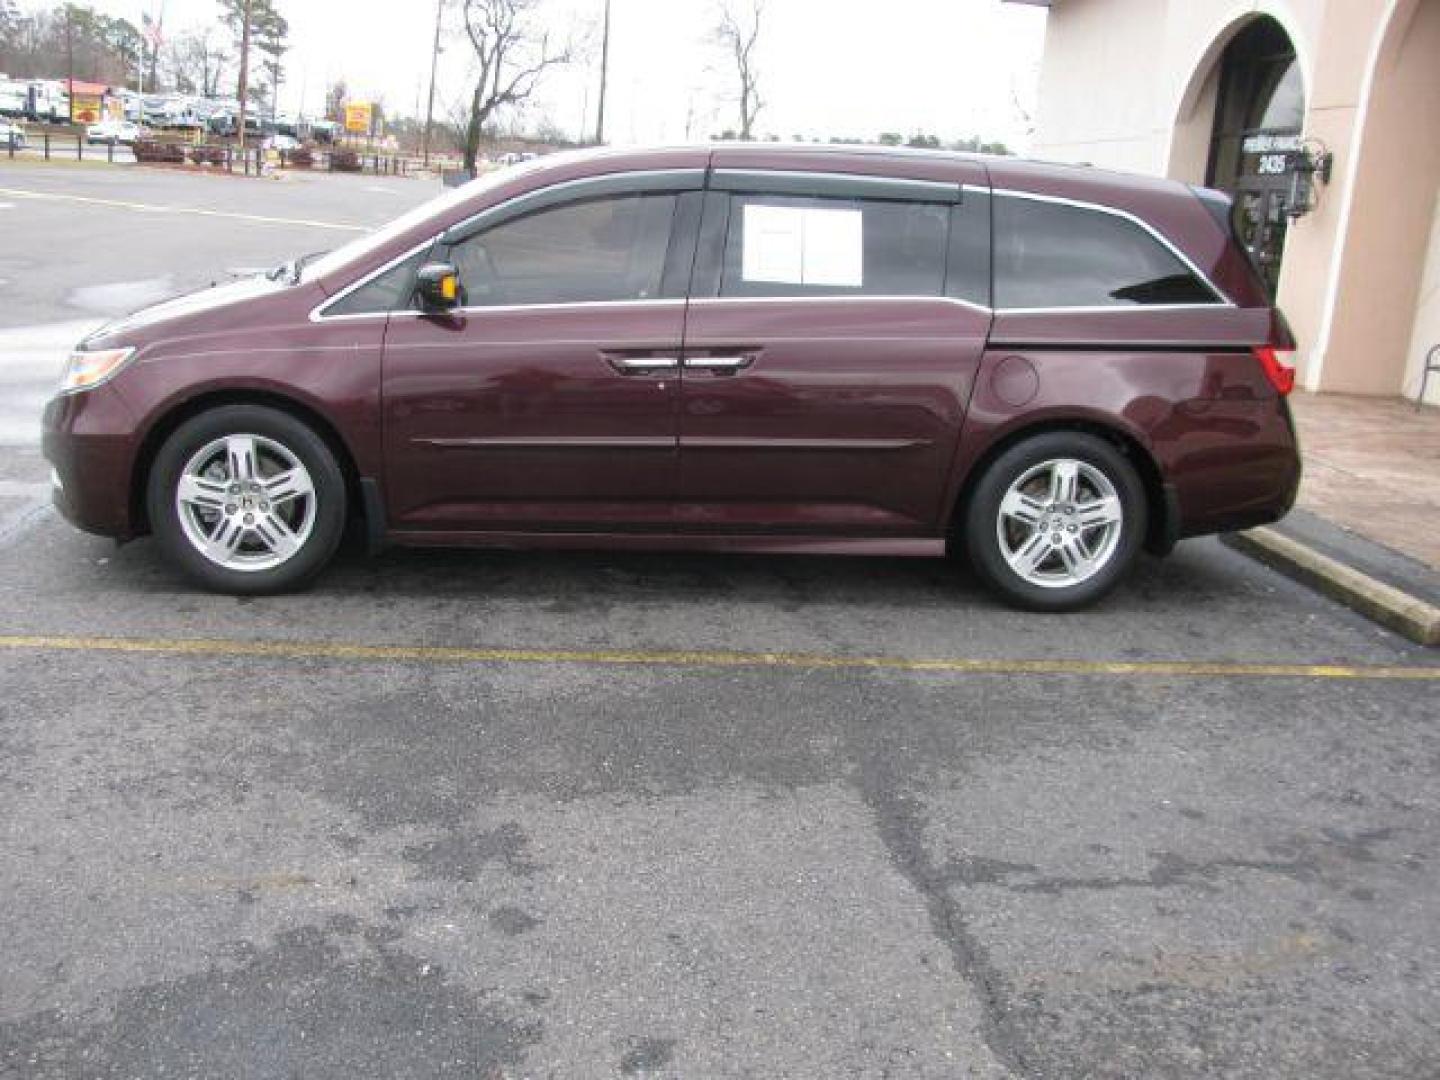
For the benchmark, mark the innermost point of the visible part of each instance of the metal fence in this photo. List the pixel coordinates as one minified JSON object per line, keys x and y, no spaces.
{"x":252,"y":161}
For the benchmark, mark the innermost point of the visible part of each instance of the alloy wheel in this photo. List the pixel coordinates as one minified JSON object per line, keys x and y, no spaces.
{"x":1060,"y":523}
{"x":246,"y":502}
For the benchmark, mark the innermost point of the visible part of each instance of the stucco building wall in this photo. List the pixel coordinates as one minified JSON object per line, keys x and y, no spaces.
{"x":1133,"y":85}
{"x":1427,"y":319}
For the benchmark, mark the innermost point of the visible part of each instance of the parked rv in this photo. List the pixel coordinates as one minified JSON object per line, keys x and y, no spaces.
{"x":14,"y":98}
{"x":49,"y":101}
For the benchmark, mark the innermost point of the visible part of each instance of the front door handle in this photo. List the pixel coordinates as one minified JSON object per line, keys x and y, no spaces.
{"x":720,"y":365}
{"x":642,"y":365}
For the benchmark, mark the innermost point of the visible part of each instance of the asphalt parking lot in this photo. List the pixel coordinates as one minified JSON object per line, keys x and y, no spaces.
{"x":588,"y":815}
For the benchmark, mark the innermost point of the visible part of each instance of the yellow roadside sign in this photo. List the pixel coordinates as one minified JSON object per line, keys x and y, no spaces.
{"x":357,"y":117}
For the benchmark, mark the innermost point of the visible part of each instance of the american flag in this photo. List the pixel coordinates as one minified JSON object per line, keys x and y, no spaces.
{"x":153,"y":29}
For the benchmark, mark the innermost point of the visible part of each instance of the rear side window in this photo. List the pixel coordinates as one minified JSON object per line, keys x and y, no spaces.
{"x":782,"y":245}
{"x":1054,"y":255}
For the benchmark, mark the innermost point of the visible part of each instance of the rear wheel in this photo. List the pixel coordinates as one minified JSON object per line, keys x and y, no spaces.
{"x":247,"y":499}
{"x":1056,"y":520}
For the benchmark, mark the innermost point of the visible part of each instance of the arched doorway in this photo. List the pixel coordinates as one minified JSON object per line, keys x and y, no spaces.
{"x":1259,"y":120}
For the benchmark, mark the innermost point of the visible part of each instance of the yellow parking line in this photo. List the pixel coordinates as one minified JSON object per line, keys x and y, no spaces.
{"x":443,"y":654}
{"x":157,"y":208}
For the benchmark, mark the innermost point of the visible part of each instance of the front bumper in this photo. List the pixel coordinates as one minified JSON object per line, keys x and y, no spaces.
{"x":89,"y":440}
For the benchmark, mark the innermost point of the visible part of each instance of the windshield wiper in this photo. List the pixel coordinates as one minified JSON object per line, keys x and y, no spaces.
{"x":298,"y":266}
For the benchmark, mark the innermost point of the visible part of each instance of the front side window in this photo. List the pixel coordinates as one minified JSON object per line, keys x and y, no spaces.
{"x":433,"y":211}
{"x":1054,"y":255}
{"x":779,"y":245}
{"x":602,"y":249}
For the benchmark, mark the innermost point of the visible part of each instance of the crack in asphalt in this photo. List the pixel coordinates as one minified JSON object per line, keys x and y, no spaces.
{"x":888,"y":777}
{"x":901,"y":824}
{"x":883,"y":773}
{"x":1170,"y":870}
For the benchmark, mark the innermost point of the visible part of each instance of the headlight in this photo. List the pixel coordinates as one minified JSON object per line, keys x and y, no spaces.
{"x":88,"y":369}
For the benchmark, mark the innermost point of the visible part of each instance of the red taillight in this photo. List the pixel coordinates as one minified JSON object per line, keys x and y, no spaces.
{"x":1278,"y":368}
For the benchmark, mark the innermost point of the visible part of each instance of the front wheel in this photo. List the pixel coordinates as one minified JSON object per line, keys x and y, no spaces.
{"x":1056,"y":520}
{"x":247,"y":500}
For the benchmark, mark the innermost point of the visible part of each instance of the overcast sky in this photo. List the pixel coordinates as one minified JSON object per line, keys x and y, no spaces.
{"x":855,"y":68}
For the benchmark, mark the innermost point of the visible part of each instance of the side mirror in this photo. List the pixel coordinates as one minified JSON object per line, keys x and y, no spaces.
{"x":439,"y":287}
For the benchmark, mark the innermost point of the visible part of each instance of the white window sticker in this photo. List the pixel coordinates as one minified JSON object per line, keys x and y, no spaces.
{"x":792,"y":246}
{"x":774,"y":244}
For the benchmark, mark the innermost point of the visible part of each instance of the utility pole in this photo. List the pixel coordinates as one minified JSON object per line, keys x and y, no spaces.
{"x":69,"y":64}
{"x":604,"y":74}
{"x":430,"y":104}
{"x":244,"y":68}
{"x":275,"y":90}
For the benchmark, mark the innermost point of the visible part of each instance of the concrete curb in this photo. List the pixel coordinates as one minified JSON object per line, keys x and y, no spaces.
{"x":1390,"y":607}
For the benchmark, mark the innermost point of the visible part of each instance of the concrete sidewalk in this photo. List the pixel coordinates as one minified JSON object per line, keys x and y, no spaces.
{"x":1372,"y":466}
{"x":1364,"y":529}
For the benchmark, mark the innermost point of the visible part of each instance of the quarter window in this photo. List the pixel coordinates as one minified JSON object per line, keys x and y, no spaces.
{"x":598,"y":250}
{"x":1050,"y":255}
{"x":796,"y":246}
{"x":389,"y":291}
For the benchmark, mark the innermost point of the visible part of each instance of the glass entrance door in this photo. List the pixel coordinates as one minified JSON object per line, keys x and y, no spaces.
{"x":1261,"y":224}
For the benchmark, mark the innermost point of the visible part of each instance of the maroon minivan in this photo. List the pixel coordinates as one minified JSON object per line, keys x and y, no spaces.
{"x":739,"y":348}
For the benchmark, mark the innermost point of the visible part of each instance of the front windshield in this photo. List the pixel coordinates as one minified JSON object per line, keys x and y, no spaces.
{"x":370,"y":242}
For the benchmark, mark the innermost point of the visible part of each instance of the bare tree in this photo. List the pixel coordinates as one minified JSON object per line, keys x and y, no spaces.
{"x":197,"y":62}
{"x":513,"y":52}
{"x":736,"y":32}
{"x":335,"y":99}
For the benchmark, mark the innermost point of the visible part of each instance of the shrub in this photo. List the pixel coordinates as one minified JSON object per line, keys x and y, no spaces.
{"x":299,"y":159}
{"x":148,"y":151}
{"x":344,"y":160}
{"x":207,"y":155}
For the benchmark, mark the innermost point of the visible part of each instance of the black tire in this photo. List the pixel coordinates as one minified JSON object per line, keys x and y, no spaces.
{"x":290,"y":434}
{"x":982,"y":520}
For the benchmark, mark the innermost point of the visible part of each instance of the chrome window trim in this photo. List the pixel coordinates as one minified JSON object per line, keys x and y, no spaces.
{"x":480,"y":309}
{"x":1104,"y":309}
{"x":858,"y":298}
{"x":1154,"y":233}
{"x":317,"y":313}
{"x":667,"y":301}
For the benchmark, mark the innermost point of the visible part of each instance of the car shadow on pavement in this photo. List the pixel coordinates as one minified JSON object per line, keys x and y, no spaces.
{"x":1199,"y":573}
{"x":791,"y":580}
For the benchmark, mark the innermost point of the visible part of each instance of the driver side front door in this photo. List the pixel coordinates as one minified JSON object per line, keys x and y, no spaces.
{"x":548,"y":400}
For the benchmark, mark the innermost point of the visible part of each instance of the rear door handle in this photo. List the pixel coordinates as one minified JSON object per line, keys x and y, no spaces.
{"x":640,"y":365}
{"x":720,"y":365}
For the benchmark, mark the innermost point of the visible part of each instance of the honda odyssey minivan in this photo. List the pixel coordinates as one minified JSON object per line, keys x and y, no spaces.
{"x":730,"y":348}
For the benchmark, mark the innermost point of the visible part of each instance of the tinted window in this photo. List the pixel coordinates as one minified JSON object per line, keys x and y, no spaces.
{"x":1053,"y":255}
{"x":968,"y":275}
{"x":392,"y":289}
{"x":601,"y":249}
{"x":780,"y":245}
